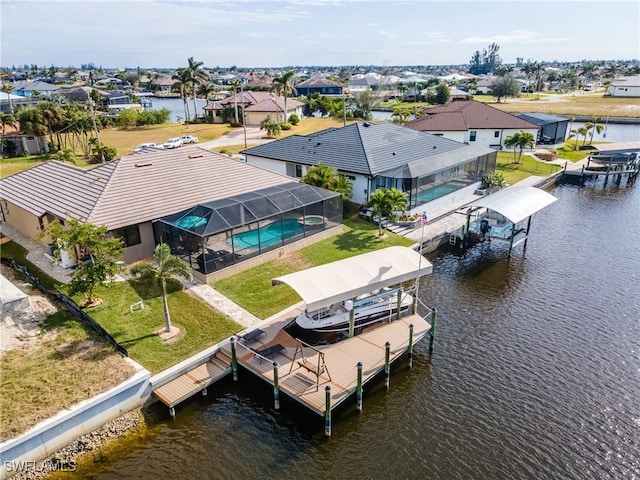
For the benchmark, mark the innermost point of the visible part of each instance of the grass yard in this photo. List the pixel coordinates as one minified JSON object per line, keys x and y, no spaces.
{"x":514,"y":172}
{"x":19,"y":254}
{"x":253,"y":291}
{"x":9,"y":166}
{"x":68,"y":364}
{"x":200,"y":325}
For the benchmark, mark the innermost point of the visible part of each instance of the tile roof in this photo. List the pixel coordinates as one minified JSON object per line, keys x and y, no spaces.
{"x":367,"y":149}
{"x":136,"y":188}
{"x":274,"y":105}
{"x":317,"y":82}
{"x":462,"y":115}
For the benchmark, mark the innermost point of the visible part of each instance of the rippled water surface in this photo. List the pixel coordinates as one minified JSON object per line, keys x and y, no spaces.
{"x":535,"y":374}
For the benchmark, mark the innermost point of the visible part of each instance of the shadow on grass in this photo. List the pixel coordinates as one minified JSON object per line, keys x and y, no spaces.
{"x":357,"y":241}
{"x":148,"y":288}
{"x":126,"y":343}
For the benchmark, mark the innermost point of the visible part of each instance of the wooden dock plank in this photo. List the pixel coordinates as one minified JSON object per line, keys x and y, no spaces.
{"x":186,"y":385}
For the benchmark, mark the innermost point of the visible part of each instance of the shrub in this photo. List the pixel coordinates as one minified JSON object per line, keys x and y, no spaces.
{"x":294,"y":119}
{"x":285,"y":126}
{"x":236,"y":124}
{"x":493,"y":180}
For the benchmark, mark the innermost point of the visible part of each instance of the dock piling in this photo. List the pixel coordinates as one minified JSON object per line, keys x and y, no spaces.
{"x":204,"y":392}
{"x":399,"y":305}
{"x":234,"y":359}
{"x":276,"y":387}
{"x":327,"y":411}
{"x":387,"y":369}
{"x":172,"y":412}
{"x":432,"y":330}
{"x":410,"y":347}
{"x":359,"y":388}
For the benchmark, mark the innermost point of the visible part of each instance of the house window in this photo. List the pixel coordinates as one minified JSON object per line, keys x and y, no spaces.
{"x":129,"y":235}
{"x":294,"y":170}
{"x":496,"y":134}
{"x":472,"y":135}
{"x":298,"y":171}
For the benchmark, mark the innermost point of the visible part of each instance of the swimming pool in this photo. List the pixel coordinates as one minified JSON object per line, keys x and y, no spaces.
{"x":266,"y":235}
{"x":439,"y":191}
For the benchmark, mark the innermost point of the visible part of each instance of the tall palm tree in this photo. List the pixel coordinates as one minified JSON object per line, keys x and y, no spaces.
{"x":594,"y":126}
{"x":519,"y":140}
{"x":8,"y":88}
{"x":283,"y":85}
{"x":183,"y":79}
{"x":166,"y":266}
{"x":198,"y":76}
{"x":205,"y":90}
{"x":588,"y":71}
{"x":235,"y":84}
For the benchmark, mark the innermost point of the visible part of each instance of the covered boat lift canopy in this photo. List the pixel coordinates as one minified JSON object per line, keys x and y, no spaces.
{"x":346,"y":279}
{"x":516,"y":203}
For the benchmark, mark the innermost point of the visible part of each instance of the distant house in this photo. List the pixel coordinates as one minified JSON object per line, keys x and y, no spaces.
{"x":28,"y":88}
{"x":471,"y":122}
{"x":79,"y":94}
{"x":553,"y":129}
{"x":207,"y":207}
{"x":625,"y":87}
{"x":429,"y":169}
{"x":18,"y":143}
{"x":318,"y":85}
{"x":253,"y":106}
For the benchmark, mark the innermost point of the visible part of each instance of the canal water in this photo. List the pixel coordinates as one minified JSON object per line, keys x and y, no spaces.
{"x":535,"y":374}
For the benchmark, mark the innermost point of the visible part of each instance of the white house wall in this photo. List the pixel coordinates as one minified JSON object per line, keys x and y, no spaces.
{"x":272,"y":165}
{"x":484,"y":137}
{"x":624,"y":91}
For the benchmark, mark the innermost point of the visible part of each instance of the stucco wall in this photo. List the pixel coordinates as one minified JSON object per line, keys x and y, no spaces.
{"x":145,"y":248}
{"x":23,"y":221}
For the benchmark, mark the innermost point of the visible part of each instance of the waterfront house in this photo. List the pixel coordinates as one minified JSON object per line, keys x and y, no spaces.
{"x":426,"y":167}
{"x":256,"y":105}
{"x":625,"y":87}
{"x":472,"y":122}
{"x":29,"y":88}
{"x":199,"y":202}
{"x":318,"y":85}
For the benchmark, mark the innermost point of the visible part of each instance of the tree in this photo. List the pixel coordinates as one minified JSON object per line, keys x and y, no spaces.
{"x":235,"y":84}
{"x":182,"y":78}
{"x":506,"y":86}
{"x":101,"y":252}
{"x":283,"y":85}
{"x":272,"y":128}
{"x":363,"y":103}
{"x":8,"y":88}
{"x":487,"y":61}
{"x":205,"y":90}
{"x":324,"y":176}
{"x":519,"y":140}
{"x":166,"y":266}
{"x":443,"y":93}
{"x":594,"y":126}
{"x":197,"y":76}
{"x":384,"y":202}
{"x":7,"y":120}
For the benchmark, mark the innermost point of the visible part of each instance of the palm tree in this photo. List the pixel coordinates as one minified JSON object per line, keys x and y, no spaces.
{"x":283,"y":85}
{"x":205,"y":90}
{"x":197,"y":76}
{"x":588,"y":71}
{"x":8,"y":88}
{"x":7,"y":120}
{"x":272,"y":128}
{"x":519,"y":140}
{"x":321,"y":175}
{"x":594,"y":126}
{"x":381,"y":206}
{"x":577,"y":133}
{"x":235,"y":84}
{"x":182,"y":78}
{"x":165,"y":266}
{"x":399,"y":200}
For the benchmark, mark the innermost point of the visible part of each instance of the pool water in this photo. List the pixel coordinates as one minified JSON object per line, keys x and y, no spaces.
{"x":439,"y":191}
{"x":266,"y":235}
{"x":191,"y":221}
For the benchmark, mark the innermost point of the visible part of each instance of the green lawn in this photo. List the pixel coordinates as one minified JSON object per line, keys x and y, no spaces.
{"x":253,"y":291}
{"x":200,"y":325}
{"x":514,"y":172}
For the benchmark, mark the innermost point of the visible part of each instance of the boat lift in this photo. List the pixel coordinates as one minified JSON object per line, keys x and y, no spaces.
{"x":512,"y":206}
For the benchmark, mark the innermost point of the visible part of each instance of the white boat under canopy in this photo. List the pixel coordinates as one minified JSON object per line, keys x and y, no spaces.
{"x":346,"y":279}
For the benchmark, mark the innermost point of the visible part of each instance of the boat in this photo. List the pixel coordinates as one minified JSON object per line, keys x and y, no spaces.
{"x":367,"y":310}
{"x":614,"y":158}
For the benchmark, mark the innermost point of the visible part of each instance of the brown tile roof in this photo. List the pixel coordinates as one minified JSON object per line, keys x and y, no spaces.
{"x":317,"y":82}
{"x":462,"y":115}
{"x":136,"y":188}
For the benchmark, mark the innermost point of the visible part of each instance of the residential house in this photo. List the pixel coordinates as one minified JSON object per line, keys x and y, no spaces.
{"x":255,"y":106}
{"x":625,"y":87}
{"x":553,"y":129}
{"x":28,"y":88}
{"x":199,"y":202}
{"x":471,"y":122}
{"x":318,"y":85}
{"x":17,"y":143}
{"x":429,"y":169}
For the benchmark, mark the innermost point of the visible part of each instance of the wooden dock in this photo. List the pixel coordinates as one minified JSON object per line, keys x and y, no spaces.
{"x":194,"y":381}
{"x":297,"y":374}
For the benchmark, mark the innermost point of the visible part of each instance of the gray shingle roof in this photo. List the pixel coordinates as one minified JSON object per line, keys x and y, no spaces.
{"x":367,"y":149}
{"x":137,"y":188}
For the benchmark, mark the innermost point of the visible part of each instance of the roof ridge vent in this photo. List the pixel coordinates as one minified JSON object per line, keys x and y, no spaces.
{"x":148,"y":164}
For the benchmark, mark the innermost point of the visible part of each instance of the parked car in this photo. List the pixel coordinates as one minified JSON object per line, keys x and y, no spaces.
{"x":144,"y":146}
{"x":172,"y":143}
{"x":189,"y":139}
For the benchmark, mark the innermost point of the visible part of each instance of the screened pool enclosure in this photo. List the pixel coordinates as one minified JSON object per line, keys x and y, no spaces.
{"x":214,"y":235}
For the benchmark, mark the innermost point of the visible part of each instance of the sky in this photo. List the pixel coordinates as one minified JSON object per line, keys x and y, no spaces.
{"x":272,"y":33}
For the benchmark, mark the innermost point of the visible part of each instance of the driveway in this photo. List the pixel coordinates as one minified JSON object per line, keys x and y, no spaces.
{"x":237,"y":136}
